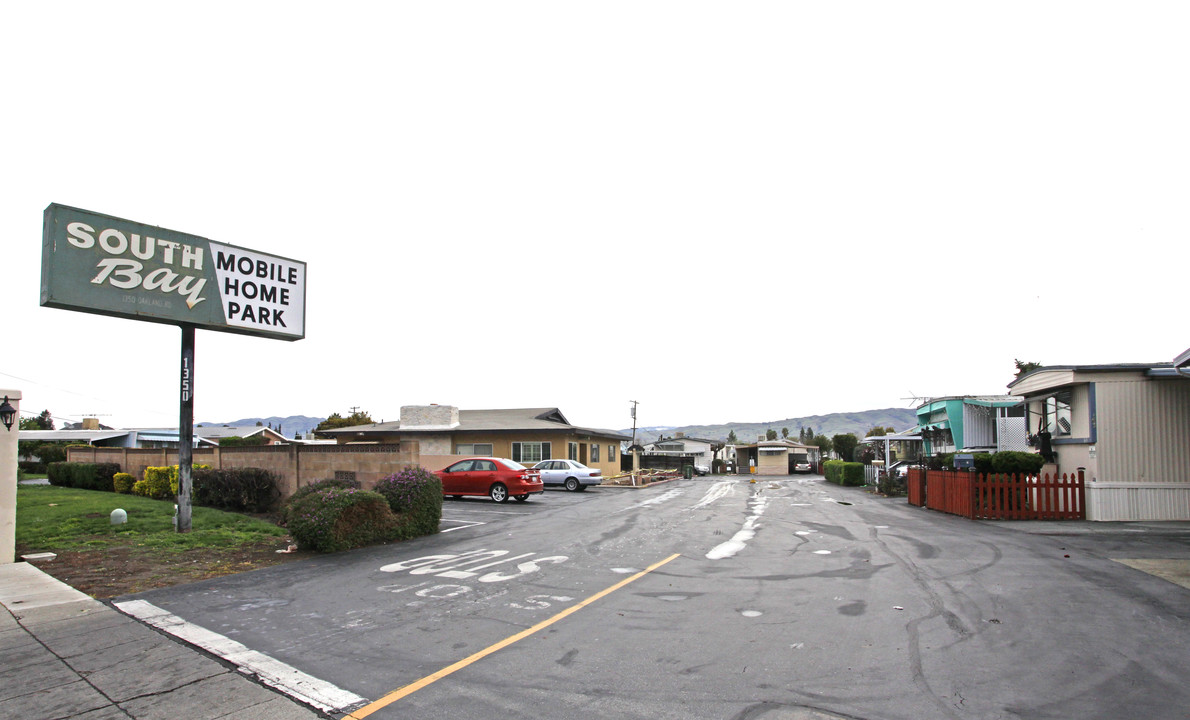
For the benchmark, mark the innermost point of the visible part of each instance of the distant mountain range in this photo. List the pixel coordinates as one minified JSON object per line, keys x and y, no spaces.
{"x":857,"y":423}
{"x":292,"y":426}
{"x":833,"y":424}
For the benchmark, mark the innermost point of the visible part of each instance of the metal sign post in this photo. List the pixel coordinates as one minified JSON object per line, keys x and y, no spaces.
{"x":186,"y":429}
{"x":96,"y":263}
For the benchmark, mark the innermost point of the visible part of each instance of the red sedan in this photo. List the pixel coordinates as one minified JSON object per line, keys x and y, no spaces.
{"x":495,"y":477}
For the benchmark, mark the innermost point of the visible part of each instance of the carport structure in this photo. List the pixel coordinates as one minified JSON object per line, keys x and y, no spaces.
{"x":774,"y":457}
{"x":913,"y":437}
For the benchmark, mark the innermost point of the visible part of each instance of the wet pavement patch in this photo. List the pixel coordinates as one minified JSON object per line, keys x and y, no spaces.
{"x":1175,"y":570}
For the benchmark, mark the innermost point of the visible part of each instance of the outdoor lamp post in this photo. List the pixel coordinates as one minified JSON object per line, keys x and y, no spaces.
{"x":8,"y":414}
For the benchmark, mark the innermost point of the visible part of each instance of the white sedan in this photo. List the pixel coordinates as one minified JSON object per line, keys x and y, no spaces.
{"x":571,"y":474}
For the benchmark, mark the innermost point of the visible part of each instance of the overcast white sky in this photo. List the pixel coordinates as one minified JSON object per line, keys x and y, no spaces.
{"x":734,"y":211}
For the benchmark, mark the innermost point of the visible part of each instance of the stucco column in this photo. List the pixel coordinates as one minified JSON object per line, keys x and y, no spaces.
{"x":8,"y":481}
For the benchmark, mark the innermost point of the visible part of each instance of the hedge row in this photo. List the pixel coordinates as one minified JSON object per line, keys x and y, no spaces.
{"x":327,"y":516}
{"x":84,"y":476}
{"x":252,"y":490}
{"x":1006,"y":462}
{"x":844,"y":473}
{"x":331,"y":515}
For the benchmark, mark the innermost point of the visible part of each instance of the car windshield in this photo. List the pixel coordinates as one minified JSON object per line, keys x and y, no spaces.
{"x":513,"y":465}
{"x":578,"y":464}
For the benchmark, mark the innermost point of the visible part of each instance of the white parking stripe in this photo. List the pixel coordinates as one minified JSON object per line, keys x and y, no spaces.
{"x":274,"y":673}
{"x":463,"y":524}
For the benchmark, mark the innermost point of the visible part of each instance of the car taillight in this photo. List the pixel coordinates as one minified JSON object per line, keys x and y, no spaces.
{"x":597,"y":472}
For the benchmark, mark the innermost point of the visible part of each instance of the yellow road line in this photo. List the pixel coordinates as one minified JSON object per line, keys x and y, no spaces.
{"x":429,"y":679}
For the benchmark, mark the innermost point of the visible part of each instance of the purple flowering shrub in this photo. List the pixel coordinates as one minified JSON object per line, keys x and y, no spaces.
{"x":414,"y":494}
{"x":336,"y":519}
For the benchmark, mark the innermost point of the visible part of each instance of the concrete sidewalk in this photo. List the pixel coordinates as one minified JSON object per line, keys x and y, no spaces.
{"x":64,"y":654}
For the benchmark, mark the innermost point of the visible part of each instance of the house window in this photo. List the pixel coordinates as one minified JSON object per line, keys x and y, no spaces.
{"x":611,"y":453}
{"x":474,"y":449}
{"x":528,"y":453}
{"x":1057,"y":414}
{"x":572,"y":451}
{"x":594,"y":453}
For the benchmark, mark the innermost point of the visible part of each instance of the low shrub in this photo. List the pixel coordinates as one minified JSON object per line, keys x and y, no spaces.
{"x":251,"y":490}
{"x":844,"y":473}
{"x":122,"y":482}
{"x":891,"y":486}
{"x":84,"y":476}
{"x":314,"y":487}
{"x":1000,"y":463}
{"x":941,"y":461}
{"x":159,"y":483}
{"x":1017,"y":463}
{"x":335,"y":519}
{"x":853,"y":474}
{"x":415,"y":496}
{"x":832,"y":470}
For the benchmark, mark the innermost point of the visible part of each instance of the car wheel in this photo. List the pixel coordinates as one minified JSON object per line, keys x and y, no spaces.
{"x":499,"y":493}
{"x":521,"y":498}
{"x":572,"y":484}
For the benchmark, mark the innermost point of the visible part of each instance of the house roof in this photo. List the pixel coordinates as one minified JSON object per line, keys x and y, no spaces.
{"x":688,"y":439}
{"x":1182,"y":360}
{"x":777,"y":444}
{"x":222,"y":431}
{"x":985,"y":400}
{"x":1033,"y":381}
{"x":913,"y":435}
{"x":501,"y":420}
{"x":93,"y":436}
{"x":87,"y":436}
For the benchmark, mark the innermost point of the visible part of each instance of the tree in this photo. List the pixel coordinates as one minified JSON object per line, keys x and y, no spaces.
{"x":731,"y":438}
{"x":784,"y":433}
{"x":770,"y":434}
{"x":336,"y":421}
{"x":822,"y":442}
{"x":876,"y":432}
{"x":844,"y":445}
{"x":1024,"y":368}
{"x":41,"y":422}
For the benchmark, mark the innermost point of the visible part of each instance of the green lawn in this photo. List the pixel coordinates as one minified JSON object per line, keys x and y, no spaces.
{"x":53,"y":519}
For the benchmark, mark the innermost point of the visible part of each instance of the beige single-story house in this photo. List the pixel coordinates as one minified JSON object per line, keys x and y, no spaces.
{"x":526,"y":435}
{"x":773,"y":457}
{"x":1125,"y":426}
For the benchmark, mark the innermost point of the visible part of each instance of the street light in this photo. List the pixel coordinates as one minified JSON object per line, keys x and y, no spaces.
{"x":8,"y":414}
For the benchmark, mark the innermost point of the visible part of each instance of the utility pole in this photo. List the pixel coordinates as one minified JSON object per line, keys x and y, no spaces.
{"x":634,"y":404}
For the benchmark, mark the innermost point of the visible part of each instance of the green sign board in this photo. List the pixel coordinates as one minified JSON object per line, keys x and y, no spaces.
{"x":106,"y":265}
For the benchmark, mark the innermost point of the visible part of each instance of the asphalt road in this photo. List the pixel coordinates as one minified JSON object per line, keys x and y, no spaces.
{"x":720,"y":598}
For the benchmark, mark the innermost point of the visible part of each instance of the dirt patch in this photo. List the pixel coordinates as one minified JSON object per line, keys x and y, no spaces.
{"x":114,"y":571}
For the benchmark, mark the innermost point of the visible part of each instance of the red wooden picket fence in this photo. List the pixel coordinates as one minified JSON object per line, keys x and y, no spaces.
{"x":999,"y":497}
